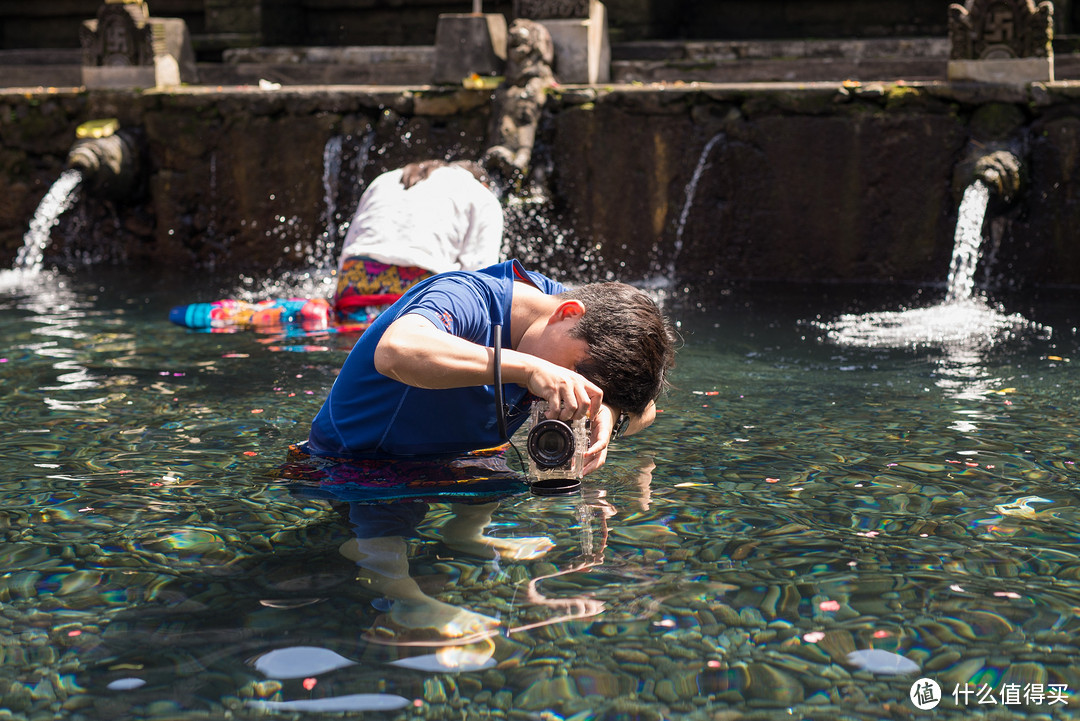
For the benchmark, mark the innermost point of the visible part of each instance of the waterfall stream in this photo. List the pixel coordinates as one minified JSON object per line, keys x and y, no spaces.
{"x":967,"y":242}
{"x":691,"y":191}
{"x":963,"y":321}
{"x":660,"y":284}
{"x":61,"y":196}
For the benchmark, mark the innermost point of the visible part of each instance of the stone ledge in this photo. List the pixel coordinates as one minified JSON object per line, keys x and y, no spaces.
{"x":769,"y":70}
{"x":347,"y":55}
{"x":1012,"y":70}
{"x":895,"y":48}
{"x":411,"y":66}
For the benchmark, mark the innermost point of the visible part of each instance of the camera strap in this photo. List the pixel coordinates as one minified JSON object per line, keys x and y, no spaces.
{"x":500,"y":407}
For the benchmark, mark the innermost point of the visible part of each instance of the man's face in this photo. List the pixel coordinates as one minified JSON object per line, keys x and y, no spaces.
{"x":556,"y":343}
{"x":565,"y":350}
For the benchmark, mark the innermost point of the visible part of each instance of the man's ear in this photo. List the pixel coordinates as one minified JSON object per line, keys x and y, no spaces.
{"x":566,"y":310}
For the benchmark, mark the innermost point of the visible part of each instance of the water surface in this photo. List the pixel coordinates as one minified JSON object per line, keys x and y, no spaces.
{"x":807,"y":530}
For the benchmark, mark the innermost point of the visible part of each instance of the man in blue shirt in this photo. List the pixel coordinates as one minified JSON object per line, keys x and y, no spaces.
{"x":419,"y":382}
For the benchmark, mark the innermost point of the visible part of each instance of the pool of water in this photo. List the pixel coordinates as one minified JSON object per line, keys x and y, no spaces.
{"x":809,"y":530}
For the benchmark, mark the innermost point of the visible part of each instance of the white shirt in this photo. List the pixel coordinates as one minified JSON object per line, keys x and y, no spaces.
{"x":448,"y":221}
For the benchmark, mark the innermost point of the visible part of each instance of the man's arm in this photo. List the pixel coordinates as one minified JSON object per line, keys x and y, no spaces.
{"x":414,"y":351}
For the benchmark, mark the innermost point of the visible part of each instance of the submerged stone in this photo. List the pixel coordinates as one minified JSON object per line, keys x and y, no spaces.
{"x":885,"y":663}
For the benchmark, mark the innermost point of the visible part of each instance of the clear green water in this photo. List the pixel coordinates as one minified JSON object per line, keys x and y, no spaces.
{"x":796,"y":506}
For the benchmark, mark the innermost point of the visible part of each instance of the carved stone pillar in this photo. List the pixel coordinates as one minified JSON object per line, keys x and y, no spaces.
{"x":1006,"y":41}
{"x":579,"y":32}
{"x":125,"y":47}
{"x":517,"y":106}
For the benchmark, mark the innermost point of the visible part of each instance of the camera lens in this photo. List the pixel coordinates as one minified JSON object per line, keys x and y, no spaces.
{"x":551,"y":443}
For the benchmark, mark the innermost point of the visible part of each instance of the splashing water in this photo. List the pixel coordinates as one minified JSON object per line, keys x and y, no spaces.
{"x":323,"y":255}
{"x":963,"y":322}
{"x":691,"y":191}
{"x":535,"y":235}
{"x":967,"y":242}
{"x":660,"y":285}
{"x":61,"y":196}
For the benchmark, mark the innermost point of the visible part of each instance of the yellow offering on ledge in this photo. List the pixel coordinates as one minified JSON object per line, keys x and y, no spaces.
{"x":481,"y":82}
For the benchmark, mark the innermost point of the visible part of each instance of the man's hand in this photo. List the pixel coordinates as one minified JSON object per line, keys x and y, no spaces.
{"x":603,"y":423}
{"x":569,"y":396}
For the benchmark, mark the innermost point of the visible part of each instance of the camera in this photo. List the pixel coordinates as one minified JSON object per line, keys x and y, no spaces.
{"x":556,"y":448}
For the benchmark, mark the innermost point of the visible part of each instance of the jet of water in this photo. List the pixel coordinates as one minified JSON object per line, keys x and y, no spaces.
{"x":662,"y":283}
{"x":967,"y":242}
{"x":323,"y":255}
{"x":963,"y":323}
{"x":61,"y":196}
{"x":691,"y":191}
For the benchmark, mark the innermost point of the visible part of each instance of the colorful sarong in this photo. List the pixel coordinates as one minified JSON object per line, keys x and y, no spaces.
{"x":366,"y":287}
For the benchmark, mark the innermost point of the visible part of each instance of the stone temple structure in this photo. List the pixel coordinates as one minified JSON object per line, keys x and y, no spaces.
{"x":125,"y":47}
{"x":1005,"y":41}
{"x":579,"y":32}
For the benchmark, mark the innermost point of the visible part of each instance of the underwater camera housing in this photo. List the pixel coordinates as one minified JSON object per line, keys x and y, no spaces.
{"x":556,"y":450}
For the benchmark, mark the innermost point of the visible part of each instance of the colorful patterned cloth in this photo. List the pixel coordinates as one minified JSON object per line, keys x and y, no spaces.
{"x":268,"y":316}
{"x":366,"y":287}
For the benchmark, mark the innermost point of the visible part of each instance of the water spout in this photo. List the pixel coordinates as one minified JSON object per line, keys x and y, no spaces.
{"x":967,"y":242}
{"x":1001,"y":171}
{"x":963,"y":325}
{"x":691,"y":191}
{"x":108,"y":158}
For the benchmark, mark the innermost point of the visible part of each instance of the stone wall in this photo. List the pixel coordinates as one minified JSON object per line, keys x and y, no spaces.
{"x":830,"y":181}
{"x":820,"y":182}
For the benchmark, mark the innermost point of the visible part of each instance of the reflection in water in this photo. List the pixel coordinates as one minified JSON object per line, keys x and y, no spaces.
{"x":592,"y":557}
{"x":812,"y":527}
{"x":330,"y":704}
{"x":412,"y":617}
{"x":384,"y":531}
{"x":960,"y":334}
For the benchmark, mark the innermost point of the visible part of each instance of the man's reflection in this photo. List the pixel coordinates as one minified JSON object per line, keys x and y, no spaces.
{"x":385,"y":503}
{"x":380,"y":549}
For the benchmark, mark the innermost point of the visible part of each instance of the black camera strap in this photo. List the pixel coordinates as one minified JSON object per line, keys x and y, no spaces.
{"x":500,"y":403}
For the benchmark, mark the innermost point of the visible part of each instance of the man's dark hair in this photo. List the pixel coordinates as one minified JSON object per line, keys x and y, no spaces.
{"x":475,"y":168}
{"x":631,"y":344}
{"x":414,"y":173}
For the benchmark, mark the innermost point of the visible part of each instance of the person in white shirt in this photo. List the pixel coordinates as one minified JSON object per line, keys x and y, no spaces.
{"x":414,"y":222}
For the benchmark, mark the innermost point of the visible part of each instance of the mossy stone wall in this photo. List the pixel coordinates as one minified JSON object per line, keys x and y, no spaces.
{"x":819,"y":182}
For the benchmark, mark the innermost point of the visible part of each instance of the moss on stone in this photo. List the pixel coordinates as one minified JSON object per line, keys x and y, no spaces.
{"x":996,"y":121}
{"x":900,"y":96}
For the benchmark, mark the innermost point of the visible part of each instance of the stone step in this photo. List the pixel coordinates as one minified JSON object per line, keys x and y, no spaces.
{"x":636,"y":62}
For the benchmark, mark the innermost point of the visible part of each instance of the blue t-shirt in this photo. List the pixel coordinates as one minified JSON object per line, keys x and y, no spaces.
{"x":368,"y":415}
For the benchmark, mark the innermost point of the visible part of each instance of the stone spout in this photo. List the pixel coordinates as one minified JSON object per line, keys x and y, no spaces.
{"x":1001,"y":171}
{"x":999,"y":167}
{"x":108,"y":158}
